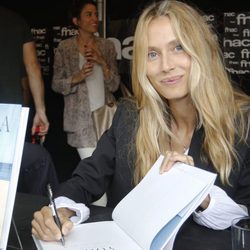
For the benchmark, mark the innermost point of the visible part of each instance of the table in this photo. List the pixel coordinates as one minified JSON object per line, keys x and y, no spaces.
{"x":190,"y":237}
{"x":25,"y":206}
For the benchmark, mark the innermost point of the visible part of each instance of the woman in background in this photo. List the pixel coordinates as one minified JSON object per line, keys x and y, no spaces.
{"x":184,"y":107}
{"x":85,"y":73}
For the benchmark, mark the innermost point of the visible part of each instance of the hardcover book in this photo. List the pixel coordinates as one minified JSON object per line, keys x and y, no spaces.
{"x":13,"y":122}
{"x":149,"y":216}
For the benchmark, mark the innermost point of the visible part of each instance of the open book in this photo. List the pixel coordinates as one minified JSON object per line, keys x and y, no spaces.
{"x":13,"y":122}
{"x":149,"y":216}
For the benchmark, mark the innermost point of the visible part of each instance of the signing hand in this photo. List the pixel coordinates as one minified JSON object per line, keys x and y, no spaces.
{"x":44,"y":226}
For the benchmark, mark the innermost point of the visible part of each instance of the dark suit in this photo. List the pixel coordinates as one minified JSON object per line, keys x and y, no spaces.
{"x":111,"y":166}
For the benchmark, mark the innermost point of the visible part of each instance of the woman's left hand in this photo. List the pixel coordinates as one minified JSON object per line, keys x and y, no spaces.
{"x":93,"y":55}
{"x":171,"y":157}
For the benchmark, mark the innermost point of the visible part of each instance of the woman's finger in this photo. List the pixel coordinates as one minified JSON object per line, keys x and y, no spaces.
{"x":42,"y":224}
{"x":172,"y":157}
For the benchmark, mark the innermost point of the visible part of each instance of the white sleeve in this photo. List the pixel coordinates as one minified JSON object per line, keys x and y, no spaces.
{"x":220,"y":211}
{"x":82,"y":212}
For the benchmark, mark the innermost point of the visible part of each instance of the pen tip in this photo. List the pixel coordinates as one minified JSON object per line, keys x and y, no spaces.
{"x":63,"y":241}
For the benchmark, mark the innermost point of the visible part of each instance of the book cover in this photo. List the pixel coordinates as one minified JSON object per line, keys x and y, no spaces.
{"x":13,"y":122}
{"x":149,"y":216}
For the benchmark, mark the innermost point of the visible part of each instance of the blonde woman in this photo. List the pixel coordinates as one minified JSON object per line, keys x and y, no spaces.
{"x":185,"y":107}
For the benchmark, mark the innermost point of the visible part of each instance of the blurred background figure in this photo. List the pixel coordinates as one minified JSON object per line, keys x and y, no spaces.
{"x":37,"y":170}
{"x":85,"y":73}
{"x":20,"y":81}
{"x":17,"y":48}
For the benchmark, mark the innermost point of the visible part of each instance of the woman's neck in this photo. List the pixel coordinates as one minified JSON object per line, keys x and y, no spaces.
{"x":183,"y":123}
{"x":183,"y":112}
{"x":85,"y":39}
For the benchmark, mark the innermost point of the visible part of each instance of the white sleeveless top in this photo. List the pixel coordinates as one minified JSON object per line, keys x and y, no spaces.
{"x":95,"y":85}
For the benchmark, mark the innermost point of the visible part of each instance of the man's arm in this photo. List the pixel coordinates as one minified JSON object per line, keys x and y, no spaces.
{"x":36,"y":84}
{"x":26,"y":91}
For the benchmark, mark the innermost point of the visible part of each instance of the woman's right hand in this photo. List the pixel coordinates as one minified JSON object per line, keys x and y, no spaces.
{"x":44,"y":226}
{"x":86,"y":70}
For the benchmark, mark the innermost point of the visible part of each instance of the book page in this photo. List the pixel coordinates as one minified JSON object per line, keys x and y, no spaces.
{"x":9,"y":118}
{"x":169,"y":231}
{"x":13,"y":121}
{"x":103,"y":235}
{"x":158,"y":199}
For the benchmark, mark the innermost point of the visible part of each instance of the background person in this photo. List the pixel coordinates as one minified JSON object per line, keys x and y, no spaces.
{"x":17,"y":48}
{"x":85,"y":73}
{"x":20,"y":73}
{"x":181,"y":109}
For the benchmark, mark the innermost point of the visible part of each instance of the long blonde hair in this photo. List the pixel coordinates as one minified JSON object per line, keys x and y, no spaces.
{"x":220,"y":108}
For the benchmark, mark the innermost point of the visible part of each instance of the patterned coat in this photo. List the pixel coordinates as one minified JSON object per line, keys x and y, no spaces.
{"x":77,"y":121}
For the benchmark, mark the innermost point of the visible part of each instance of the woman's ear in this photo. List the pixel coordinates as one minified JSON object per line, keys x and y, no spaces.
{"x":75,"y":21}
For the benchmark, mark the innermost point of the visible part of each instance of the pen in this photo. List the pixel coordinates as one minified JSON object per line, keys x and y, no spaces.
{"x":54,"y":212}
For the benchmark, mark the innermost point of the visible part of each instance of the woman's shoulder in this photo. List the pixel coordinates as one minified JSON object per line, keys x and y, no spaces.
{"x":128,"y":104}
{"x":104,"y":42}
{"x":68,"y":42}
{"x":126,"y":109}
{"x":126,"y":116}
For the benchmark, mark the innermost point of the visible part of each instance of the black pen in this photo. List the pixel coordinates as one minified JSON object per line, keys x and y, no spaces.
{"x":54,"y":212}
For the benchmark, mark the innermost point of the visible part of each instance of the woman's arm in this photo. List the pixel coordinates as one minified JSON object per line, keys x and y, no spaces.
{"x":220,"y":211}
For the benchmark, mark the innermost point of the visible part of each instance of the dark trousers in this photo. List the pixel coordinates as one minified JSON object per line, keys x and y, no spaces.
{"x":37,"y":170}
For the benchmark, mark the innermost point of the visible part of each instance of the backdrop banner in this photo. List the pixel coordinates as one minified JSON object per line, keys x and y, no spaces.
{"x":236,"y":42}
{"x":233,"y":32}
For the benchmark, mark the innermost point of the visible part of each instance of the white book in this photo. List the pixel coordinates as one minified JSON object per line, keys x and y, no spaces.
{"x":149,"y":216}
{"x":13,"y":122}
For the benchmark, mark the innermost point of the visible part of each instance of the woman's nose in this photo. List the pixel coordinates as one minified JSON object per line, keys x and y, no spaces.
{"x":167,"y":63}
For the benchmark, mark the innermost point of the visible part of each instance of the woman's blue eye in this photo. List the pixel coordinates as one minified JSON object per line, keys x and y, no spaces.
{"x":152,"y":55}
{"x":178,"y":48}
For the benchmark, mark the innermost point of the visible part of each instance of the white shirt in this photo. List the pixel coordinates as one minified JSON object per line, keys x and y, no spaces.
{"x":82,"y":212}
{"x":95,"y":85}
{"x":220,"y":211}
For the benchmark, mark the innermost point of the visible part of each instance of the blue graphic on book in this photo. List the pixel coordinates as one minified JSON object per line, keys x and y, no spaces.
{"x":9,"y":124}
{"x":5,"y":171}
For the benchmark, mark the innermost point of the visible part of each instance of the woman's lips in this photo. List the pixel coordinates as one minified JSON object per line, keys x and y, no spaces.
{"x":172,"y":80}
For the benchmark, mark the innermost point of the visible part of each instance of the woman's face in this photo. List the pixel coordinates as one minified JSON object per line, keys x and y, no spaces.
{"x":88,"y":21}
{"x":168,"y":65}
